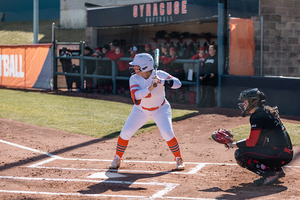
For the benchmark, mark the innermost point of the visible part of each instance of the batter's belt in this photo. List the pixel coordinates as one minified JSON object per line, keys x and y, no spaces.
{"x":154,"y":108}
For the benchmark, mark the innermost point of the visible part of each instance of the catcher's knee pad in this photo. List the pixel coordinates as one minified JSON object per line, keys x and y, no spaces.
{"x":240,"y":159}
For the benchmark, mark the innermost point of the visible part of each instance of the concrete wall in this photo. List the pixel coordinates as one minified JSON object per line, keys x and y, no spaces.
{"x":73,"y":13}
{"x":281,"y":32}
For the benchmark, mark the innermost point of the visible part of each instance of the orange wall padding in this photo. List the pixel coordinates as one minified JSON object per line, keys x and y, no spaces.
{"x":241,"y":47}
{"x":20,"y":65}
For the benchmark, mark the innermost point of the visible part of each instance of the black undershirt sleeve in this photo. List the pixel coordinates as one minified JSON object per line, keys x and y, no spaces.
{"x":169,"y":83}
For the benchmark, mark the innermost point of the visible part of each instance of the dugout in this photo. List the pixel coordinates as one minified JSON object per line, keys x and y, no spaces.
{"x":172,"y":23}
{"x":186,"y":23}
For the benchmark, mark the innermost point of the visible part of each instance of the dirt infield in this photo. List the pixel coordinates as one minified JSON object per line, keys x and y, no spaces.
{"x":42,"y":163}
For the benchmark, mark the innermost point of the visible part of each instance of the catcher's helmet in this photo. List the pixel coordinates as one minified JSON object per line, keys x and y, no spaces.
{"x":144,"y":61}
{"x":254,"y":98}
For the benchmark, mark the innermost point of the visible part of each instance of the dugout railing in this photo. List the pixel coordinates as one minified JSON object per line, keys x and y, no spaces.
{"x":114,"y":71}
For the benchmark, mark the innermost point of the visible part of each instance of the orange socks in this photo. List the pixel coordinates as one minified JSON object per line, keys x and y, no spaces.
{"x":174,"y":147}
{"x":121,"y":147}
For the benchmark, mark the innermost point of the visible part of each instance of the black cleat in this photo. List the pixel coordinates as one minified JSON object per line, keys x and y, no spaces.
{"x":280,"y":173}
{"x":266,"y":180}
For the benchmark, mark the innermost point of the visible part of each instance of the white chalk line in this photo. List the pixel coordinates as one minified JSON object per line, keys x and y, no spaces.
{"x":192,"y":171}
{"x":54,"y":157}
{"x":30,"y":149}
{"x":99,"y":195}
{"x":43,"y":162}
{"x":159,"y":194}
{"x":71,"y":194}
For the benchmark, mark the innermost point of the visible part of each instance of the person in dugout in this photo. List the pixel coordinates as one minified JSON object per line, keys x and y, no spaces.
{"x":268,"y":147}
{"x":175,"y":69}
{"x":66,"y":66}
{"x":123,"y":70}
{"x":133,"y":51}
{"x":90,"y":68}
{"x":103,"y":69}
{"x":153,"y":50}
{"x":201,"y":55}
{"x":148,"y":49}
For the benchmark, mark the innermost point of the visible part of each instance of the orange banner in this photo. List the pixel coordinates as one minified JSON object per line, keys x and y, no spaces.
{"x":241,"y":47}
{"x":25,"y":66}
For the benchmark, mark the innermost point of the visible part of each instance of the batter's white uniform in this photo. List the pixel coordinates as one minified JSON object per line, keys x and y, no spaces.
{"x":152,"y":105}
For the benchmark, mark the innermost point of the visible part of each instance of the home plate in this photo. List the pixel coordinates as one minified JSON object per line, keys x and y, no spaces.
{"x":106,"y":175}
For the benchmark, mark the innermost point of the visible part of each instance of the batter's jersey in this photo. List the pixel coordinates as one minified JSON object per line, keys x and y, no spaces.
{"x":139,"y":89}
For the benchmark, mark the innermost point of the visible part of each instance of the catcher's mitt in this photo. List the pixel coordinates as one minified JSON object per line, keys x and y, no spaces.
{"x":222,"y":136}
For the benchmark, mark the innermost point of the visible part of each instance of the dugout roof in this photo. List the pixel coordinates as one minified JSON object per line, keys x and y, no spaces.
{"x":167,"y":12}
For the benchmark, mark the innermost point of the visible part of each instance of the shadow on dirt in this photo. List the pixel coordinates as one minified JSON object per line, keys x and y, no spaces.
{"x":126,"y":182}
{"x":247,"y":191}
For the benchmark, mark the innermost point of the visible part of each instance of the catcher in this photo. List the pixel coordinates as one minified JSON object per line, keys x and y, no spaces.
{"x":268,"y":147}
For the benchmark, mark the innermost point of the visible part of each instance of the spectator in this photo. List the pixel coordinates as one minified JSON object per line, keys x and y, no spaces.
{"x":164,"y":55}
{"x":66,"y":66}
{"x":153,"y":50}
{"x":148,"y":49}
{"x":101,"y":68}
{"x":164,"y":51}
{"x":90,"y":68}
{"x":112,"y":50}
{"x":104,"y":50}
{"x":175,"y":69}
{"x":122,"y":70}
{"x":209,"y":78}
{"x":201,"y":55}
{"x":97,"y":53}
{"x":133,"y":51}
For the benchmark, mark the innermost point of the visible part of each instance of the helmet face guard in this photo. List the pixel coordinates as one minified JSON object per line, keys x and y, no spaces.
{"x":131,"y":70}
{"x":252,"y":98}
{"x":245,"y":108}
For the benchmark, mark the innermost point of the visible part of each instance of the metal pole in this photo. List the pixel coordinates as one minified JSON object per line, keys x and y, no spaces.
{"x":114,"y":69}
{"x":261,"y":45}
{"x":35,"y":21}
{"x":82,"y":69}
{"x":198,"y":89}
{"x":54,"y":65}
{"x":220,"y":49}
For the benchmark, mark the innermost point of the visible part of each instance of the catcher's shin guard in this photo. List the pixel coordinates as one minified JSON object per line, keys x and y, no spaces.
{"x":252,"y":165}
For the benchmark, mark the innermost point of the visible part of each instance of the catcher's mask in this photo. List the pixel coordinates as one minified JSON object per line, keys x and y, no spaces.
{"x":252,"y":98}
{"x":144,"y":61}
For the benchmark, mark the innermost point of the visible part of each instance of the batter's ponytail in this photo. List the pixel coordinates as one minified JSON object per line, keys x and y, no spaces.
{"x":273,"y":111}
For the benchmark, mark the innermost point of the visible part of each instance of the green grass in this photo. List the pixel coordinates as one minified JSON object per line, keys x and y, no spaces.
{"x":242,"y":132}
{"x":96,"y":118}
{"x":17,"y":33}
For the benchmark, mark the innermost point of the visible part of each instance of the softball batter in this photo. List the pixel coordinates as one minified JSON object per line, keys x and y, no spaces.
{"x":149,"y":102}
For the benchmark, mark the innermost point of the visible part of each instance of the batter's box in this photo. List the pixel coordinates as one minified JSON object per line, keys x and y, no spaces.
{"x":83,"y":187}
{"x":126,"y":166}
